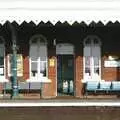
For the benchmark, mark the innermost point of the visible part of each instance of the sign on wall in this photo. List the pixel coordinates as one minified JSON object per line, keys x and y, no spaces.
{"x":19,"y":65}
{"x":111,"y":63}
{"x":51,"y":62}
{"x":64,"y":48}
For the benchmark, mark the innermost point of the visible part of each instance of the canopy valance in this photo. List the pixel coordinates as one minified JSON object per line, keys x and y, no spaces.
{"x":59,"y":10}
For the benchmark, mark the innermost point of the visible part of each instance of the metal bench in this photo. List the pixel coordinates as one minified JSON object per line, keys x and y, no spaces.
{"x":23,"y":85}
{"x":98,"y":86}
{"x":91,"y":86}
{"x":35,"y":85}
{"x":7,"y":86}
{"x":115,"y":86}
{"x":105,"y":86}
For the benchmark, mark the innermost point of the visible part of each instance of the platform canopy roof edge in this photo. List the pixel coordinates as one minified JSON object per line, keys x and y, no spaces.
{"x":59,"y":10}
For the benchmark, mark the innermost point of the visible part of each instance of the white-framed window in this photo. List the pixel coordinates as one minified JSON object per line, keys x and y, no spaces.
{"x":38,"y":56}
{"x":92,"y":58}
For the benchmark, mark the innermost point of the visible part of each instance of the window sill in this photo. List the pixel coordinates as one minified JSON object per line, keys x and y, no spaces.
{"x":86,"y":80}
{"x":2,"y":79}
{"x":38,"y":79}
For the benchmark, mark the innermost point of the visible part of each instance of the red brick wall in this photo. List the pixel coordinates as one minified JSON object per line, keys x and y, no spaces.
{"x":109,"y":73}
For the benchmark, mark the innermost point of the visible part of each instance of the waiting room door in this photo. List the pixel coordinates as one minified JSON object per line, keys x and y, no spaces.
{"x":65,"y":72}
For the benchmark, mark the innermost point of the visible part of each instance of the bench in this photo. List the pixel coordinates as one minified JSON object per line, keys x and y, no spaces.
{"x":23,"y":87}
{"x":115,"y":86}
{"x":102,"y":86}
{"x":92,"y":86}
{"x":105,"y":86}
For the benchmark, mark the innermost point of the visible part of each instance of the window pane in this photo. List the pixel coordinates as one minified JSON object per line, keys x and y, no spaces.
{"x":1,"y":61}
{"x":95,"y":51}
{"x":43,"y":68}
{"x":34,"y":41}
{"x":87,"y":51}
{"x":43,"y":52}
{"x":88,"y":41}
{"x":43,"y":58}
{"x":33,"y":52}
{"x":34,"y":66}
{"x":87,"y":61}
{"x":96,"y":41}
{"x":87,"y":71}
{"x":96,"y":61}
{"x":1,"y":50}
{"x":96,"y":70}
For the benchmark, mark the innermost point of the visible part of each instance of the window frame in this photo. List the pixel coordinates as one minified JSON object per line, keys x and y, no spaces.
{"x":38,"y":62}
{"x":91,"y":45}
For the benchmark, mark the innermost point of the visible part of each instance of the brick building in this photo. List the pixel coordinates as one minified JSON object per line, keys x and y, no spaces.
{"x":60,"y":47}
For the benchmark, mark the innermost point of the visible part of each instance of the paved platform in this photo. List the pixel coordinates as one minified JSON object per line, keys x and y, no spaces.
{"x":61,"y":102}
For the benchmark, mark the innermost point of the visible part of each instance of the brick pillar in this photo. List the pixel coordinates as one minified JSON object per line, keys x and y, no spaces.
{"x":25,"y":62}
{"x":49,"y":90}
{"x":25,"y":67}
{"x":78,"y":73}
{"x":6,"y":67}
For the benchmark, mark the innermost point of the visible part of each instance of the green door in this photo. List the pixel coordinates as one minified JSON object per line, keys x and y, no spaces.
{"x":65,"y":75}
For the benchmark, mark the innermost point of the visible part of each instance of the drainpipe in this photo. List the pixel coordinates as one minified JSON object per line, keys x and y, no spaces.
{"x":14,"y":63}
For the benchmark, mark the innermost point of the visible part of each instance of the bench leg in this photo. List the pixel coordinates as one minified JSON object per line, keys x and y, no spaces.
{"x":86,"y":94}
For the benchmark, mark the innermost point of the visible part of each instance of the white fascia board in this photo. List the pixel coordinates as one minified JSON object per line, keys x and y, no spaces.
{"x":61,"y":5}
{"x":55,"y":11}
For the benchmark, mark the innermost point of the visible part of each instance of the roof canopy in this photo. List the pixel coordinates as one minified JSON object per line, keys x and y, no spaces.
{"x":59,"y":10}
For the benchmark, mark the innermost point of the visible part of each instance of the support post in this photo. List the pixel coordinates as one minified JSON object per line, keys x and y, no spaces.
{"x":14,"y":63}
{"x":14,"y":72}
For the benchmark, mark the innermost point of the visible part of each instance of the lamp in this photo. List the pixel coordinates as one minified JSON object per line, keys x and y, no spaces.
{"x":54,"y":42}
{"x":113,"y":57}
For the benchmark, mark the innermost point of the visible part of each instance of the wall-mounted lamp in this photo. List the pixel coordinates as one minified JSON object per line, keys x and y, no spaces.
{"x":110,"y":57}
